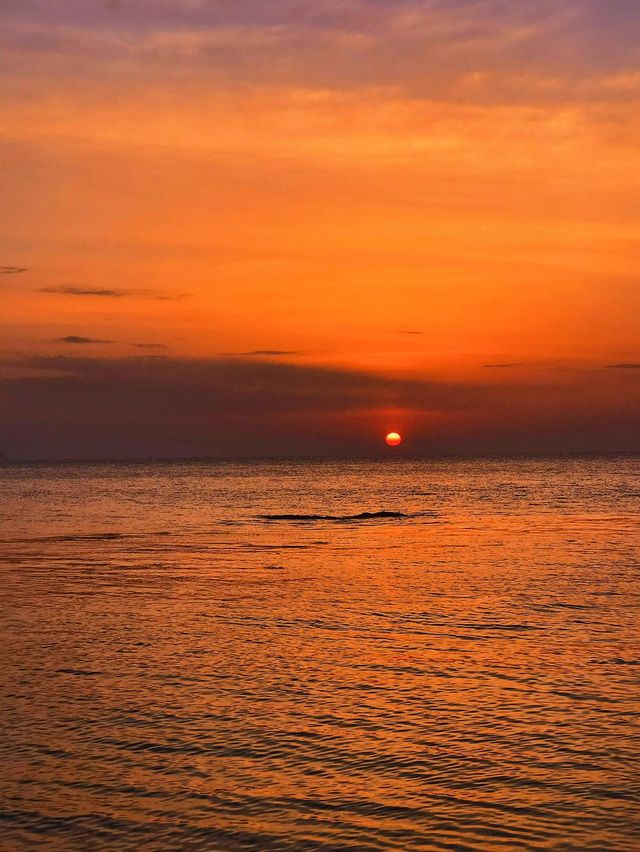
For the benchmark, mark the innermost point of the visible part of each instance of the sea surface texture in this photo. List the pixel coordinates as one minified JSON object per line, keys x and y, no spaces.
{"x":321,"y":655}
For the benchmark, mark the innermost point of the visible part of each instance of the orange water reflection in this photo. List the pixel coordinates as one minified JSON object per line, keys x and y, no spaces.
{"x":185,"y":675}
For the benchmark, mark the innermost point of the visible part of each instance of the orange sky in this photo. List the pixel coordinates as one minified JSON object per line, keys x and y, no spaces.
{"x":205,"y":182}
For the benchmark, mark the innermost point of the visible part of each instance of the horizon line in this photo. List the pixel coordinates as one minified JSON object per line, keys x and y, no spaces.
{"x":391,"y":456}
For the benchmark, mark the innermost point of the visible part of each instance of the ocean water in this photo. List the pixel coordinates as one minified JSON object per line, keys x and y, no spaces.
{"x":321,"y":655}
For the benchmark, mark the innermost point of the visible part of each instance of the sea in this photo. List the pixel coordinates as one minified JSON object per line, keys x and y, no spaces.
{"x":321,"y":655}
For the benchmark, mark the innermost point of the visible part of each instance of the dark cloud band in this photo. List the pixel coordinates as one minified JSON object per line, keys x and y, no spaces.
{"x":78,"y":339}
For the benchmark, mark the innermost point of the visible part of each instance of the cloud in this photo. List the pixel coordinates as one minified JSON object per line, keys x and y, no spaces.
{"x":69,"y":406}
{"x":167,"y":297}
{"x":263,"y":353}
{"x":84,"y":291}
{"x":151,"y":346}
{"x":462,"y":49}
{"x":77,"y":339}
{"x":111,"y":293}
{"x":11,"y":270}
{"x":501,"y":366}
{"x":629,"y":365}
{"x":410,"y":332}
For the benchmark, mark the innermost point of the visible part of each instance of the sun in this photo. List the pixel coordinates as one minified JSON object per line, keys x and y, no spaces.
{"x":393,"y":439}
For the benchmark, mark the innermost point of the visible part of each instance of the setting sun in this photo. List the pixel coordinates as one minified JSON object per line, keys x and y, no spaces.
{"x":393,"y":439}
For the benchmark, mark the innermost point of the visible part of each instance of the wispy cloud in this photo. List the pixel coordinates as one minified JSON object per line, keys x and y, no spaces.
{"x":11,"y":270}
{"x":168,"y":297}
{"x":505,"y":366}
{"x":529,"y":51}
{"x":78,"y":339}
{"x":111,"y":293}
{"x":84,"y":291}
{"x":402,"y":331}
{"x":151,"y":346}
{"x":625,"y":365}
{"x":262,"y":353}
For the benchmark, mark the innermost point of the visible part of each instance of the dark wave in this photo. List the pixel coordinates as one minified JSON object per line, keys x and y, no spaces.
{"x":84,"y":672}
{"x":88,"y":537}
{"x":361,"y":516}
